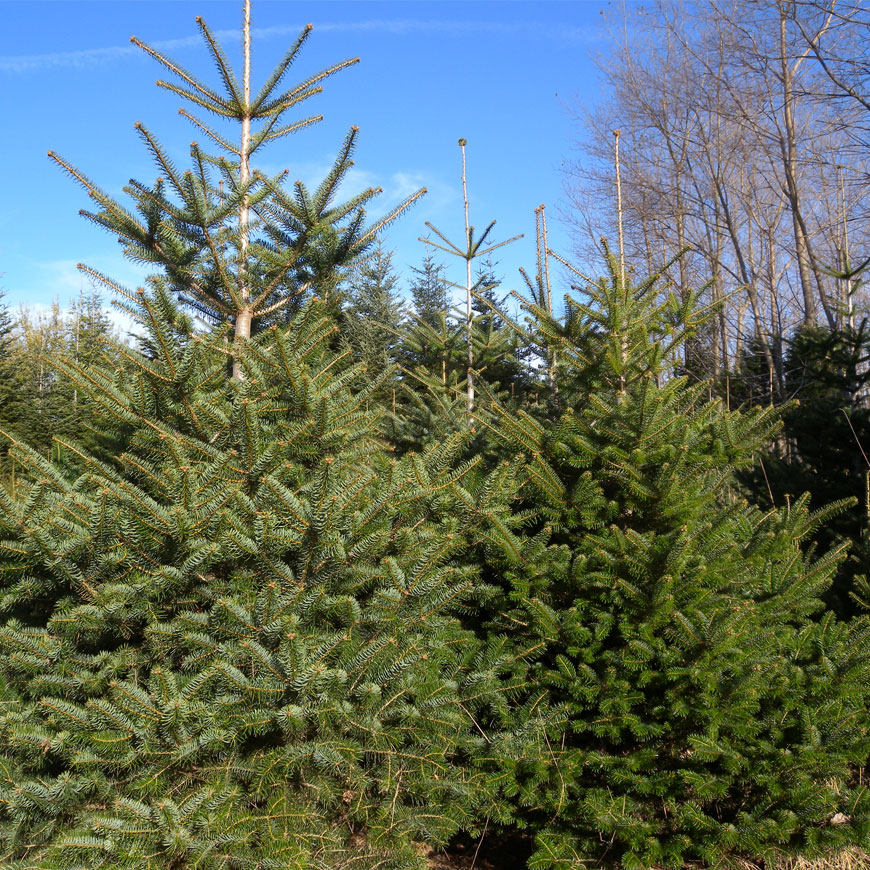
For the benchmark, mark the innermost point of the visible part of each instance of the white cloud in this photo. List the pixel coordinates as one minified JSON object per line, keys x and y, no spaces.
{"x":403,"y":184}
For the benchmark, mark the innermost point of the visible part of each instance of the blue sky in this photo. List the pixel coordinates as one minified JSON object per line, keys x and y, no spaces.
{"x":504,"y":75}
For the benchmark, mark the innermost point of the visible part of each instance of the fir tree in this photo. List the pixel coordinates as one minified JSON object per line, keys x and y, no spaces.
{"x":254,"y":662}
{"x":688,"y":698}
{"x":429,"y":293}
{"x":11,"y":381}
{"x":234,"y":244}
{"x":374,"y":313}
{"x":470,"y":250}
{"x":231,"y":645}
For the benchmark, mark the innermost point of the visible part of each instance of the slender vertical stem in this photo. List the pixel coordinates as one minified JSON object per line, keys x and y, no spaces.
{"x":76,"y":357}
{"x":546,"y":294}
{"x":546,"y":260}
{"x":847,"y":281}
{"x":469,"y":401}
{"x":622,"y":288}
{"x":244,"y":315}
{"x":619,"y":207}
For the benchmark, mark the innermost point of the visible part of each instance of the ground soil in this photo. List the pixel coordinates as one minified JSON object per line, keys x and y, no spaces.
{"x":490,"y":852}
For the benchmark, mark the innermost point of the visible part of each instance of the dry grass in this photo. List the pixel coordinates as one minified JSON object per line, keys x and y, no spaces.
{"x":850,"y":859}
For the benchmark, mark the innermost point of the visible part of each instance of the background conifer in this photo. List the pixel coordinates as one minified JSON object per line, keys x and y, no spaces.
{"x":373,"y":315}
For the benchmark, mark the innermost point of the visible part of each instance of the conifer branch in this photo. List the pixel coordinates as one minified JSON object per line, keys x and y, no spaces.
{"x":303,"y":90}
{"x":212,"y":134}
{"x":224,"y":68}
{"x":95,"y":193}
{"x":159,"y":155}
{"x":385,"y":221}
{"x":280,"y":70}
{"x":276,"y":306}
{"x":268,"y":134}
{"x":206,"y":92}
{"x":453,"y":248}
{"x":495,"y":247}
{"x":217,"y":109}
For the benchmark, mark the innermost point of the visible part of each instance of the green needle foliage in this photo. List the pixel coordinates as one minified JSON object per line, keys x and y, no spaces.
{"x":238,"y":632}
{"x":827,"y":431}
{"x":372,"y":316}
{"x":689,"y":699}
{"x":233,"y":646}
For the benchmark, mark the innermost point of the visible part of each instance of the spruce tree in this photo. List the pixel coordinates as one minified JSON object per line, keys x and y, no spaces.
{"x":429,"y":293}
{"x":826,"y":430}
{"x":231,"y":644}
{"x":12,"y":403}
{"x":374,"y":314}
{"x":689,"y":699}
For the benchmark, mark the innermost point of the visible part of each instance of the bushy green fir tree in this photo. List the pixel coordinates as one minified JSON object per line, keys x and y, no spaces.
{"x":688,"y":698}
{"x":231,"y":645}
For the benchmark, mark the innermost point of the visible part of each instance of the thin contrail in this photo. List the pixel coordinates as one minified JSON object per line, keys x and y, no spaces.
{"x":93,"y":56}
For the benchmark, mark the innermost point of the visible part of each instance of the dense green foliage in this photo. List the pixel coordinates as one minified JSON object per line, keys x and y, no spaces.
{"x":694,"y":701}
{"x":822,"y":451}
{"x":275,"y":596}
{"x":247,"y":614}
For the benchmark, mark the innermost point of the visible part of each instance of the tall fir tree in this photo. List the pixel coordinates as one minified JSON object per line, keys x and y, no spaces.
{"x":473,"y":247}
{"x":234,"y":244}
{"x":688,"y":697}
{"x":231,"y":645}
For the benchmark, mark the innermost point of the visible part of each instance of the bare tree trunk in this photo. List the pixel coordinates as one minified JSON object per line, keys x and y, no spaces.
{"x":788,"y":146}
{"x":623,"y":344}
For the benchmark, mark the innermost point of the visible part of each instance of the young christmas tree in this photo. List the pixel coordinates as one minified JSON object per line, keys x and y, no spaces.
{"x":230,"y":645}
{"x":373,"y":315}
{"x":11,"y":381}
{"x":689,"y":699}
{"x":429,"y":292}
